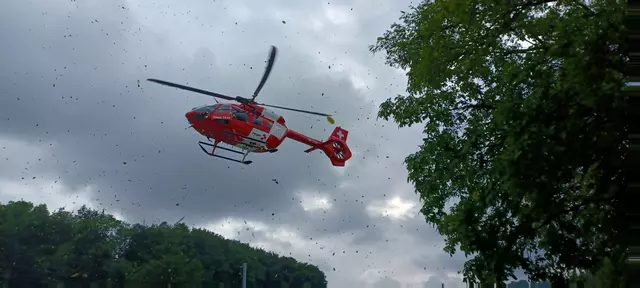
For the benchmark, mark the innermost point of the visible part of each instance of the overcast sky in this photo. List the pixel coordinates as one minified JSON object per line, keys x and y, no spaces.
{"x":81,"y":126}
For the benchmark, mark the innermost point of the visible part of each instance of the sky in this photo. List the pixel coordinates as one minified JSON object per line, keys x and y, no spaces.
{"x":80,"y":125}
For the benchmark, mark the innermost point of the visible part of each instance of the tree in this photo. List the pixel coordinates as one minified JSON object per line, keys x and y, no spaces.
{"x":23,"y":243}
{"x":90,"y":251}
{"x":93,"y":249}
{"x":607,"y":276}
{"x":524,"y":136}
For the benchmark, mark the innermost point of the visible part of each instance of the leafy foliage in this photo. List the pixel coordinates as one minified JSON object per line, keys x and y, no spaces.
{"x":524,"y":134}
{"x":89,"y":247}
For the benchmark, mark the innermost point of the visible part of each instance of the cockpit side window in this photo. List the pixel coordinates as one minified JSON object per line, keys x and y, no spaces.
{"x":240,"y":115}
{"x":200,"y":116}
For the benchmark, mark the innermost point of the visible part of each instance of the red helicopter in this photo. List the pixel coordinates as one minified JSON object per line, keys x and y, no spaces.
{"x":252,"y":127}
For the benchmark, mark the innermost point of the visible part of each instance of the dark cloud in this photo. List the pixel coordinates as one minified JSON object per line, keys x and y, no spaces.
{"x":128,"y":137}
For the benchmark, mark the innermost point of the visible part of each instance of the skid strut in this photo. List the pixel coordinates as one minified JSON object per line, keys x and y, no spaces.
{"x":215,"y":146}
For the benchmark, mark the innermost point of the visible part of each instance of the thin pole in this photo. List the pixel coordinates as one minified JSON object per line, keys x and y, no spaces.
{"x":244,"y":275}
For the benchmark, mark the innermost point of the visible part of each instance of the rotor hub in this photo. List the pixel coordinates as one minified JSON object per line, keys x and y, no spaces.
{"x":243,"y":100}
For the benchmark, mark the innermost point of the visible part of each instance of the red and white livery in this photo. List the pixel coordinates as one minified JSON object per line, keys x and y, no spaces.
{"x":254,"y":128}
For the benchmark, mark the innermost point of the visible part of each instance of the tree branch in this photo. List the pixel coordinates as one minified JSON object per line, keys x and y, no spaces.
{"x":481,"y":105}
{"x":513,"y":13}
{"x":573,"y":209}
{"x":520,"y":51}
{"x":585,"y":7}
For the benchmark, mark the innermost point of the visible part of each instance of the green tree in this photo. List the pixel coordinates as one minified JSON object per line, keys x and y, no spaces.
{"x":24,"y":243}
{"x":160,"y":255}
{"x":88,"y":255}
{"x":607,"y":276}
{"x":88,"y":248}
{"x":523,"y":129}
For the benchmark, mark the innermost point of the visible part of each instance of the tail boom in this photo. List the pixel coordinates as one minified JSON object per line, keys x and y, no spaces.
{"x":335,"y":147}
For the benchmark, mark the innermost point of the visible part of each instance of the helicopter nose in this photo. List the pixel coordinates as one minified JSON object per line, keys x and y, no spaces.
{"x":189,"y":115}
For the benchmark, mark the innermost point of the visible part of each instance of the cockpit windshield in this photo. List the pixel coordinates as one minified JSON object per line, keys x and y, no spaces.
{"x":224,"y":108}
{"x":206,"y":108}
{"x":202,"y":112}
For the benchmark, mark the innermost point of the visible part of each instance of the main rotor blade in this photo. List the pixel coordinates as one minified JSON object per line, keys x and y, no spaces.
{"x":296,"y":110}
{"x":267,"y":71}
{"x":183,"y":87}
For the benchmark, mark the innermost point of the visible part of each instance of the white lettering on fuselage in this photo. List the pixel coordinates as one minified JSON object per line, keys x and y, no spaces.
{"x":250,"y":143}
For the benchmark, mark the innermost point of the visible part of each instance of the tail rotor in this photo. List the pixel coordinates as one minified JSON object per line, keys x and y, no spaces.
{"x":335,"y":147}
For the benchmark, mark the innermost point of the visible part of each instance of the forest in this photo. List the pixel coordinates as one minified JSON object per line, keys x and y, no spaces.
{"x":89,"y":248}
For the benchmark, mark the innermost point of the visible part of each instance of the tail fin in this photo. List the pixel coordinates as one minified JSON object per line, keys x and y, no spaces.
{"x":335,"y":147}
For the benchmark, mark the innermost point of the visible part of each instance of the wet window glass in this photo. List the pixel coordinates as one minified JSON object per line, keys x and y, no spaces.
{"x":202,"y":112}
{"x":200,"y":116}
{"x":224,"y":108}
{"x":240,"y":115}
{"x":206,"y":109}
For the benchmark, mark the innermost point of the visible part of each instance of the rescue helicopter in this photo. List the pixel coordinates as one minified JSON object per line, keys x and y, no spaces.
{"x":252,"y":127}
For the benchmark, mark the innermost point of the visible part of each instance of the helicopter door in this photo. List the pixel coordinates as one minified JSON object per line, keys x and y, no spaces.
{"x":220,"y":114}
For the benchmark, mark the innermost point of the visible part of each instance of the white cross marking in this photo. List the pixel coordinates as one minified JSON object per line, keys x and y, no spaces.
{"x":340,"y":134}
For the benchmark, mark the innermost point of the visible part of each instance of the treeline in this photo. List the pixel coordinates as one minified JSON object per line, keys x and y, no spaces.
{"x":89,"y":248}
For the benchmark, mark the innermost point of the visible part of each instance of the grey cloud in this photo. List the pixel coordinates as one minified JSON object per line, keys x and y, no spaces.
{"x":387,"y":283}
{"x":433,"y":282}
{"x":164,"y":167}
{"x":436,"y":282}
{"x":73,"y":77}
{"x":373,"y":234}
{"x":445,"y":264}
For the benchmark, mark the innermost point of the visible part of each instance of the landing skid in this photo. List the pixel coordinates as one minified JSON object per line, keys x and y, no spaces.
{"x":215,"y":146}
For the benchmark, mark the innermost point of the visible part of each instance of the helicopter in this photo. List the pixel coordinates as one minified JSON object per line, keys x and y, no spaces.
{"x":254,"y":128}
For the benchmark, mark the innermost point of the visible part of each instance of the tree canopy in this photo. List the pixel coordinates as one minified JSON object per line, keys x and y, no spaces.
{"x":523,"y":129}
{"x":89,"y":247}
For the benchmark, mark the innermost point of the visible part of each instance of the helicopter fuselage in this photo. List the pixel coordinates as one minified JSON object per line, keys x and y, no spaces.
{"x":249,"y":127}
{"x":252,"y":127}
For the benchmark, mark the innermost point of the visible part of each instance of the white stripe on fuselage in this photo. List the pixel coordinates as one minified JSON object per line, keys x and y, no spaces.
{"x":278,"y":130}
{"x":269,"y":114}
{"x":252,"y":145}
